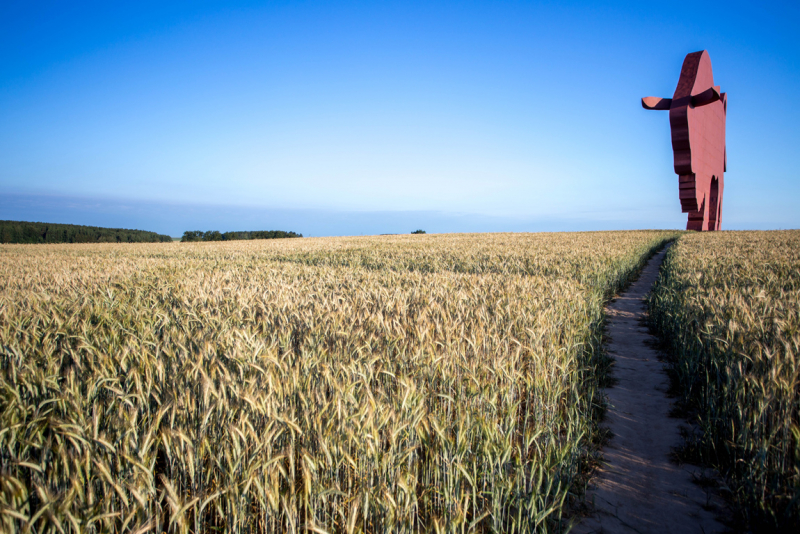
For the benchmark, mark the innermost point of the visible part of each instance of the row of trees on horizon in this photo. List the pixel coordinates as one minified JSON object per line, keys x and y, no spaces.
{"x":215,"y":235}
{"x":39,"y":232}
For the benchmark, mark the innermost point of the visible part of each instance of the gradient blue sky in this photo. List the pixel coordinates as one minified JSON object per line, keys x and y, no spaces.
{"x":332,"y":118}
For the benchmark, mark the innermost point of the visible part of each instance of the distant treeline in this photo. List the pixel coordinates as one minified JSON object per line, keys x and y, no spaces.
{"x":38,"y":232}
{"x":214,"y":235}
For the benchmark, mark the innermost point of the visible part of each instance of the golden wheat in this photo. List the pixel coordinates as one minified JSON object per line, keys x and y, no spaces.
{"x":728,"y":304}
{"x":426,"y":383}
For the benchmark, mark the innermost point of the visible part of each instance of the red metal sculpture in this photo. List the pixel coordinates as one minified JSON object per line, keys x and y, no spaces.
{"x":697,"y":119}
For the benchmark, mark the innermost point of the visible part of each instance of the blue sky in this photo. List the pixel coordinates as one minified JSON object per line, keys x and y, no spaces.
{"x":332,"y":118}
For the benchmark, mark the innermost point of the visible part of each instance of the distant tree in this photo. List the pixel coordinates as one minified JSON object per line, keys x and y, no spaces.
{"x":235,"y":236}
{"x":272,"y":234}
{"x":418,"y":232}
{"x":212,"y":235}
{"x":192,"y":235}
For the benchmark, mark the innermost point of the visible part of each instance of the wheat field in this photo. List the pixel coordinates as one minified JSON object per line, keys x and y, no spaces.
{"x":728,"y":305}
{"x":437,"y":383}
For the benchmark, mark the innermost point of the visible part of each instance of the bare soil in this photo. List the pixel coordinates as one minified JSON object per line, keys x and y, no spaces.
{"x":638,"y":487}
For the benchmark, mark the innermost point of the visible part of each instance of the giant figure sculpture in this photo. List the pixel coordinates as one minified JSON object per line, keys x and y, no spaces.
{"x":697,"y":119}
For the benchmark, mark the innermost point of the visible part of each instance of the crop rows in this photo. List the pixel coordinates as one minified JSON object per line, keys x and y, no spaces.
{"x":406,"y":384}
{"x":728,"y":304}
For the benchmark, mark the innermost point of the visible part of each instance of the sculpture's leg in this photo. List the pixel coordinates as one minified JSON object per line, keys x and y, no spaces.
{"x":698,"y":220}
{"x":714,"y":204}
{"x":690,"y":200}
{"x":693,"y":196}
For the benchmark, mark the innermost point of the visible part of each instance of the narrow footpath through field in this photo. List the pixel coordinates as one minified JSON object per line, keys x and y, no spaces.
{"x":638,"y":488}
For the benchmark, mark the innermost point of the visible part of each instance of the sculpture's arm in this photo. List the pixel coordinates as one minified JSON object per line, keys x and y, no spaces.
{"x":709,"y":96}
{"x":653,"y":102}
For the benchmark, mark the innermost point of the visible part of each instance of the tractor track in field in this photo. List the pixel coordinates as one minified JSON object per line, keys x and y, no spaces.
{"x":639,"y":488}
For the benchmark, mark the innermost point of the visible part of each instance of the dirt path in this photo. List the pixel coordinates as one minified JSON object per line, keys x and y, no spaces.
{"x":639,"y":489}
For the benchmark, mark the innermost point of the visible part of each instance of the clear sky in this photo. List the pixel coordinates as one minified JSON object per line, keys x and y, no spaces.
{"x":334,"y":118}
